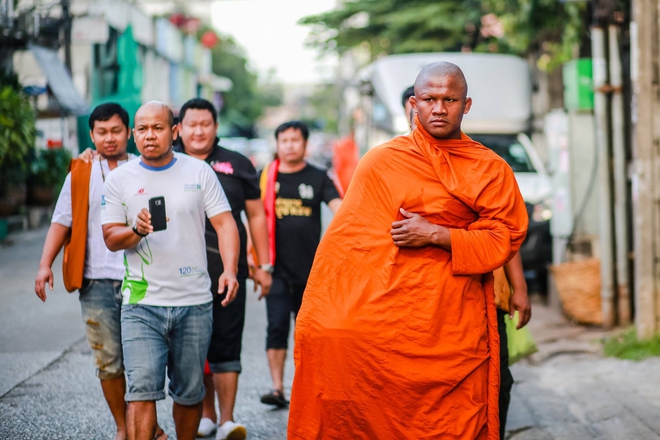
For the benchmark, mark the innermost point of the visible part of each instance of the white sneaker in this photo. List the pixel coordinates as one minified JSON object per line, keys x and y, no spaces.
{"x":206,"y":427}
{"x":231,"y":431}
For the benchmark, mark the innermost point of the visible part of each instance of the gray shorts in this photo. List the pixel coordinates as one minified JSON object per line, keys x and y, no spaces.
{"x":100,"y":301}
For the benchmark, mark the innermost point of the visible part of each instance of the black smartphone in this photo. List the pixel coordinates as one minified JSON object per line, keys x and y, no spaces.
{"x":158,"y":215}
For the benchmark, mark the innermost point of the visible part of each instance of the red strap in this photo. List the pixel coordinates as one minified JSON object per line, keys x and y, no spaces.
{"x":269,"y":205}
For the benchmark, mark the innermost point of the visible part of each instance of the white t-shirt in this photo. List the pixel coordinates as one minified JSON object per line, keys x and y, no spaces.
{"x":167,"y":268}
{"x":100,"y":262}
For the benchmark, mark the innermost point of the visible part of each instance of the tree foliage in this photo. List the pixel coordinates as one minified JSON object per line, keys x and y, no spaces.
{"x":230,"y":61}
{"x":17,"y":127}
{"x":551,"y":29}
{"x":547,"y":28}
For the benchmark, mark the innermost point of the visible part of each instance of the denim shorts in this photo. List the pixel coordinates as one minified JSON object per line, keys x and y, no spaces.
{"x":156,"y":338}
{"x":100,"y":302}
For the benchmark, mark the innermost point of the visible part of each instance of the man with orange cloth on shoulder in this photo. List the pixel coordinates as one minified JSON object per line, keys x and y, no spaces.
{"x":397,"y":335}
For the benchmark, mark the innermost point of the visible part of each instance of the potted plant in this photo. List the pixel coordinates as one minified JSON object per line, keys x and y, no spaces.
{"x":47,"y":173}
{"x":17,"y":136}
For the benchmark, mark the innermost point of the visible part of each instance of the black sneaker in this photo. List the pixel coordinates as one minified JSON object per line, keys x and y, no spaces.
{"x":275,"y":397}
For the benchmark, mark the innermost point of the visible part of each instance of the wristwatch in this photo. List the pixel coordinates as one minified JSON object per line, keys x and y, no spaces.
{"x":267,"y":268}
{"x":134,"y":228}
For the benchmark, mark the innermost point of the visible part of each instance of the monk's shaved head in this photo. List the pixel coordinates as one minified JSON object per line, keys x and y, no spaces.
{"x":441,"y":99}
{"x":152,"y":107}
{"x":441,"y":69}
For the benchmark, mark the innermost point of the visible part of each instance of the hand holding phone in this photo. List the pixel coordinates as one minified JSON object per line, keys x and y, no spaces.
{"x":158,"y":214}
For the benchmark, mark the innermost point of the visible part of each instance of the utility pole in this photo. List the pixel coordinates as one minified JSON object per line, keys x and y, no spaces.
{"x":601,"y":110}
{"x":66,"y":17}
{"x":620,"y":178}
{"x":7,"y":21}
{"x":645,"y":113}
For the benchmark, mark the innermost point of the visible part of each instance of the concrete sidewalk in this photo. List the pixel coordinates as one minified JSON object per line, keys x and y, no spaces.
{"x":64,"y":399}
{"x":569,"y":391}
{"x":48,"y":389}
{"x":32,"y":334}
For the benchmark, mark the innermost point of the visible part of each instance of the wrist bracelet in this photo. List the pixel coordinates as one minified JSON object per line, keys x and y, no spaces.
{"x":134,"y":229}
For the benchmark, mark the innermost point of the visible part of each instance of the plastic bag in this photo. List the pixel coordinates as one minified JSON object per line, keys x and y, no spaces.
{"x":521,"y":343}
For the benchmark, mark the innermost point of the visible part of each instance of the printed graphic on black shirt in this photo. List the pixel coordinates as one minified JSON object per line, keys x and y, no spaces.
{"x":298,"y":224}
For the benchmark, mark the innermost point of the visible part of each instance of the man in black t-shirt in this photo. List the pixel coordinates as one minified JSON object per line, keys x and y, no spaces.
{"x":240,"y":182}
{"x":293,"y":191}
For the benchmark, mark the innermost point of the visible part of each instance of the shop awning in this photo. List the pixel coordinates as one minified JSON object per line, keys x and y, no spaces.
{"x":59,"y":81}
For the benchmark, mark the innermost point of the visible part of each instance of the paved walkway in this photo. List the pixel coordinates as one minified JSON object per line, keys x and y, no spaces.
{"x":48,"y":389}
{"x":64,"y":400}
{"x":569,"y":391}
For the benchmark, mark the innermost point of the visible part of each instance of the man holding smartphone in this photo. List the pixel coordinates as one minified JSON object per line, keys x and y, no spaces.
{"x":102,"y":270}
{"x":166,"y":314}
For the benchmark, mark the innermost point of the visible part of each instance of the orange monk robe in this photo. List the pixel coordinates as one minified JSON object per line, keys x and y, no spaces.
{"x":345,"y":160}
{"x":402,"y":343}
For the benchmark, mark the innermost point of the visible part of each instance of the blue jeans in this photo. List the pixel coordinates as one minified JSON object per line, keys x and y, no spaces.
{"x":100,"y":302}
{"x":173,"y":337}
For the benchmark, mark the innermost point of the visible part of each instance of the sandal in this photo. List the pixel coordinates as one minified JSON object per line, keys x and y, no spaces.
{"x":275,"y":397}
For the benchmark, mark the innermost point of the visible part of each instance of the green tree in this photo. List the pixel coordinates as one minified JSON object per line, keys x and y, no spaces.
{"x":547,"y":28}
{"x":230,"y":61}
{"x":551,"y":29}
{"x":17,"y":129}
{"x":396,"y":26}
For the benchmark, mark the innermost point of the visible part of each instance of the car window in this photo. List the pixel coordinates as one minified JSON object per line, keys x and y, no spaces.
{"x":509,"y":149}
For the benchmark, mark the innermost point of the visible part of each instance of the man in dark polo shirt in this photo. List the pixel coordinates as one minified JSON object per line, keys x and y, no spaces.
{"x":293,"y":191}
{"x":197,"y":128}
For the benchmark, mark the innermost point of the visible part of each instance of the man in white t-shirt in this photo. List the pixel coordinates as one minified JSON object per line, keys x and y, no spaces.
{"x":100,"y":294}
{"x":166,"y":316}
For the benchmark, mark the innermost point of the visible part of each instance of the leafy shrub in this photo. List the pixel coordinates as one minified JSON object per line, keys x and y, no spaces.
{"x":626,"y":346}
{"x":49,"y":168}
{"x":17,"y":129}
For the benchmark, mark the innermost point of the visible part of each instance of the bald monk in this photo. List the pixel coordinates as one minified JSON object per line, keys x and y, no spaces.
{"x":397,"y":334}
{"x":518,"y":301}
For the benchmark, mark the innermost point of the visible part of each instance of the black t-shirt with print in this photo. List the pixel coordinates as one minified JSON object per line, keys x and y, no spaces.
{"x":240,"y":181}
{"x":298,"y":224}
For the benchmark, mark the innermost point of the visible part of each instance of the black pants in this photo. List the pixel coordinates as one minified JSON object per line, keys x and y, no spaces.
{"x":506,"y":379}
{"x":283,"y":300}
{"x":224,"y":353}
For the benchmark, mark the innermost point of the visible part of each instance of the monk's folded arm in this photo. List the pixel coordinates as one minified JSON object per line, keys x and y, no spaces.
{"x":500,"y":229}
{"x":484,"y":247}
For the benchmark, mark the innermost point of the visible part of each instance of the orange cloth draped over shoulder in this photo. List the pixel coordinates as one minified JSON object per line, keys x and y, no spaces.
{"x":402,"y":343}
{"x":75,"y":246}
{"x":345,"y":160}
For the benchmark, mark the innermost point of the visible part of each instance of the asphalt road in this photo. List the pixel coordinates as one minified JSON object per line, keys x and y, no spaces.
{"x":48,"y":389}
{"x":32,"y":334}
